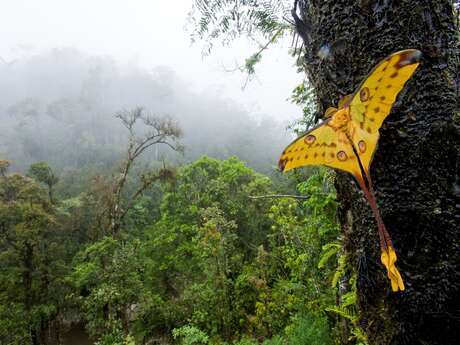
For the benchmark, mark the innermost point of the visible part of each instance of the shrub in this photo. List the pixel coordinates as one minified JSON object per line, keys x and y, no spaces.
{"x":190,"y":335}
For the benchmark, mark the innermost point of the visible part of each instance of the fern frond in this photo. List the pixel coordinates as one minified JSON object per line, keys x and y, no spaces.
{"x":328,"y":250}
{"x":340,"y":271}
{"x":349,"y":314}
{"x":229,"y":19}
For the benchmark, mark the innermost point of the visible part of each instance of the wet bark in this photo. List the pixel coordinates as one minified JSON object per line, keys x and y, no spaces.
{"x":415,"y":168}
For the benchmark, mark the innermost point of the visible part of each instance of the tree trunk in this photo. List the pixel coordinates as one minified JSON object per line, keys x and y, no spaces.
{"x":415,"y":168}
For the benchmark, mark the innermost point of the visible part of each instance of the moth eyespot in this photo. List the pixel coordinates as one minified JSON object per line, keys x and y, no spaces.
{"x":362,"y":146}
{"x":342,"y":156}
{"x":310,"y":139}
{"x":364,"y":94}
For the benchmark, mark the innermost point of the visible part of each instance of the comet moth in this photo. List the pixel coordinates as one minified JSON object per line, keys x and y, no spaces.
{"x":348,"y":138}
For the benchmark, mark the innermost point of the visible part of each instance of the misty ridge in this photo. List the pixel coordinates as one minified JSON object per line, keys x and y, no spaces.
{"x":60,"y":107}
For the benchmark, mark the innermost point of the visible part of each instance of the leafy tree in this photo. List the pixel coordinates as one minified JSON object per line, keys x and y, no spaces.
{"x":4,"y":164}
{"x":206,"y":231}
{"x":43,"y":173}
{"x":223,"y":270}
{"x":289,"y":267}
{"x":32,"y":261}
{"x":108,"y":281}
{"x":104,"y":206}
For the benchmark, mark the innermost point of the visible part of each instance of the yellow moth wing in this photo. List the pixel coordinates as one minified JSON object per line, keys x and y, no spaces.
{"x":368,"y":107}
{"x":374,"y":98}
{"x":364,"y":144}
{"x":321,"y":146}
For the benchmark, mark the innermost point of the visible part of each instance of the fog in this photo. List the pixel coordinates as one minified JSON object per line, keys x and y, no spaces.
{"x":150,"y":33}
{"x":59,"y":107}
{"x":66,"y":68}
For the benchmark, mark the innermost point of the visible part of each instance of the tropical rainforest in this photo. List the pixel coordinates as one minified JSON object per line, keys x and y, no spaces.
{"x":159,"y":223}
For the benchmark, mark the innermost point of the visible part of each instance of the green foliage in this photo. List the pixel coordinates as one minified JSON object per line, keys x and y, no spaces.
{"x":115,"y":338}
{"x":43,"y":173}
{"x":304,"y":328}
{"x":298,"y":233}
{"x":107,"y":277}
{"x":245,"y":341}
{"x":206,"y":233}
{"x":308,"y":329}
{"x":346,"y":308}
{"x":33,"y":257}
{"x":302,"y":95}
{"x":190,"y":335}
{"x":251,"y":62}
{"x":228,"y":19}
{"x":196,"y":260}
{"x":329,"y":250}
{"x":4,"y":165}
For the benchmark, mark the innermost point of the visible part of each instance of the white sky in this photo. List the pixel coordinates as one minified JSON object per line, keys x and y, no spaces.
{"x":148,"y":33}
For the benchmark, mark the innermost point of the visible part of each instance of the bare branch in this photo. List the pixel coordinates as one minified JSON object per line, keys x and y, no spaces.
{"x":303,"y":197}
{"x":160,"y":130}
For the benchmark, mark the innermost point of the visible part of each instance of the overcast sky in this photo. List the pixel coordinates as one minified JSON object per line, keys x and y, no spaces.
{"x":148,"y":33}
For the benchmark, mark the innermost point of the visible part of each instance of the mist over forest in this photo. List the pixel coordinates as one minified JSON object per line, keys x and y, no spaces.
{"x":60,"y":107}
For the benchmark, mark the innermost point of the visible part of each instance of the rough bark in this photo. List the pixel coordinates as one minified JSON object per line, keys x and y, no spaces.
{"x":415,"y":168}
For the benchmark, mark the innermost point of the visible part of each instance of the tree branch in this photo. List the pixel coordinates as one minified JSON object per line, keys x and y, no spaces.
{"x":302,"y":197}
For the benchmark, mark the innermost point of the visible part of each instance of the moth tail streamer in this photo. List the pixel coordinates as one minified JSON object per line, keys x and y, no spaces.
{"x":388,"y":259}
{"x":388,"y":255}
